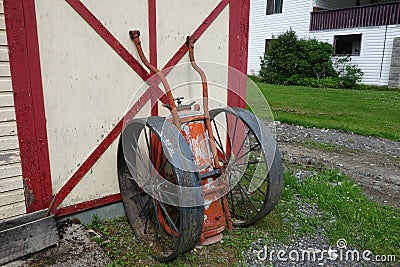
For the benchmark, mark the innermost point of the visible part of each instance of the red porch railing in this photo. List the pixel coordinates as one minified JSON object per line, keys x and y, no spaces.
{"x":354,"y":17}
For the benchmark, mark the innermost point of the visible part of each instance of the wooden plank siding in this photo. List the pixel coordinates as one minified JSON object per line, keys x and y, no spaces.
{"x":12,"y":199}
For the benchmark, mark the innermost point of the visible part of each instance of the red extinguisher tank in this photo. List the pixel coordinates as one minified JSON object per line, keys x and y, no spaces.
{"x":194,"y":131}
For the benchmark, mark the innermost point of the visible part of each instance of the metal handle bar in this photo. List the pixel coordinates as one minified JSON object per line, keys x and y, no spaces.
{"x":190,"y":44}
{"x":135,"y":37}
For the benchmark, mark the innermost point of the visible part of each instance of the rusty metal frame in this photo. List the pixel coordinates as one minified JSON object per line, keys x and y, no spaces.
{"x":135,"y":34}
{"x":190,"y":44}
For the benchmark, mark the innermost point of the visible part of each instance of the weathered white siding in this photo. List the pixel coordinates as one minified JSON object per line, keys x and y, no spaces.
{"x":376,"y":43}
{"x":295,"y":15}
{"x":376,"y":50}
{"x":12,"y":201}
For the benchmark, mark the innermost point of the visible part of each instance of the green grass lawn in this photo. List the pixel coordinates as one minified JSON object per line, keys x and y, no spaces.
{"x":375,"y":113}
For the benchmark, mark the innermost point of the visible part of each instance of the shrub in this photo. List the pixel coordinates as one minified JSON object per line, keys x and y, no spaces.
{"x":349,"y":74}
{"x":254,"y":78}
{"x":312,"y":82}
{"x":375,"y":87}
{"x":290,"y":58}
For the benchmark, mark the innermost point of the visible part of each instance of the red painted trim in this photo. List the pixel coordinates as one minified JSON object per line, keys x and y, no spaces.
{"x":88,"y":205}
{"x":101,"y":30}
{"x":99,"y":150}
{"x":23,"y":45}
{"x":238,"y":46}
{"x":196,"y":34}
{"x":152,"y":13}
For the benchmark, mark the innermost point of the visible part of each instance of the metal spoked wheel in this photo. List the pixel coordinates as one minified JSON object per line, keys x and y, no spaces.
{"x":148,"y":168}
{"x":251,"y":161}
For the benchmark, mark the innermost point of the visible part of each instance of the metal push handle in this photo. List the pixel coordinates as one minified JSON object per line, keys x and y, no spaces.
{"x":135,"y":34}
{"x":190,"y":44}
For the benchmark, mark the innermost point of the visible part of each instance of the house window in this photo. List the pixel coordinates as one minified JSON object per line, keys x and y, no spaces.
{"x":347,"y":44}
{"x":267,"y":45}
{"x":274,"y":6}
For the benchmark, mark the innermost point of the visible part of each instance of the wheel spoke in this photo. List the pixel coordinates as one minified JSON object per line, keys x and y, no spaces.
{"x":251,"y":163}
{"x":233,"y":206}
{"x":244,"y":203}
{"x":219,"y":139}
{"x":234,"y":133}
{"x":148,"y":143}
{"x":251,"y":149}
{"x":244,"y":140}
{"x":159,"y":229}
{"x":258,"y":188}
{"x":140,"y":158}
{"x":163,"y":165}
{"x":144,"y":206}
{"x":169,"y":220}
{"x":248,"y":198}
{"x":249,"y":174}
{"x":147,"y":218}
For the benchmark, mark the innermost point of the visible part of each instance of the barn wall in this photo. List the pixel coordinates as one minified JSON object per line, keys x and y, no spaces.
{"x":87,"y":87}
{"x":12,"y":200}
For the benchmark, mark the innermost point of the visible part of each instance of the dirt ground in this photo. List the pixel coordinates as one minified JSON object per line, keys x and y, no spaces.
{"x":373,"y":163}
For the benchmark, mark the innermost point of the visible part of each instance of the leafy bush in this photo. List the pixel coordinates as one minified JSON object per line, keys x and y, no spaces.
{"x":255,"y":78}
{"x":349,"y":74}
{"x":312,"y":82}
{"x":290,"y":59}
{"x":375,"y":87}
{"x":294,"y":61}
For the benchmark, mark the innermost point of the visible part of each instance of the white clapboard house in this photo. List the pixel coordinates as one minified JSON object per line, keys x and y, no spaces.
{"x":368,"y":30}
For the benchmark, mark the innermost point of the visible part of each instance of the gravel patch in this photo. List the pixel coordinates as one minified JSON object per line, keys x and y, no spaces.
{"x":293,"y":133}
{"x":372,"y":163}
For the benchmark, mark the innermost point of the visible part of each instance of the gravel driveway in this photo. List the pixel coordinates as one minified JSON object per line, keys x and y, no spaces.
{"x":373,"y":163}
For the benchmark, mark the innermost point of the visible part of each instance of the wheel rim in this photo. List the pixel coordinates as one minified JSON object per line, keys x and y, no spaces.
{"x":256,"y":192}
{"x":160,"y":226}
